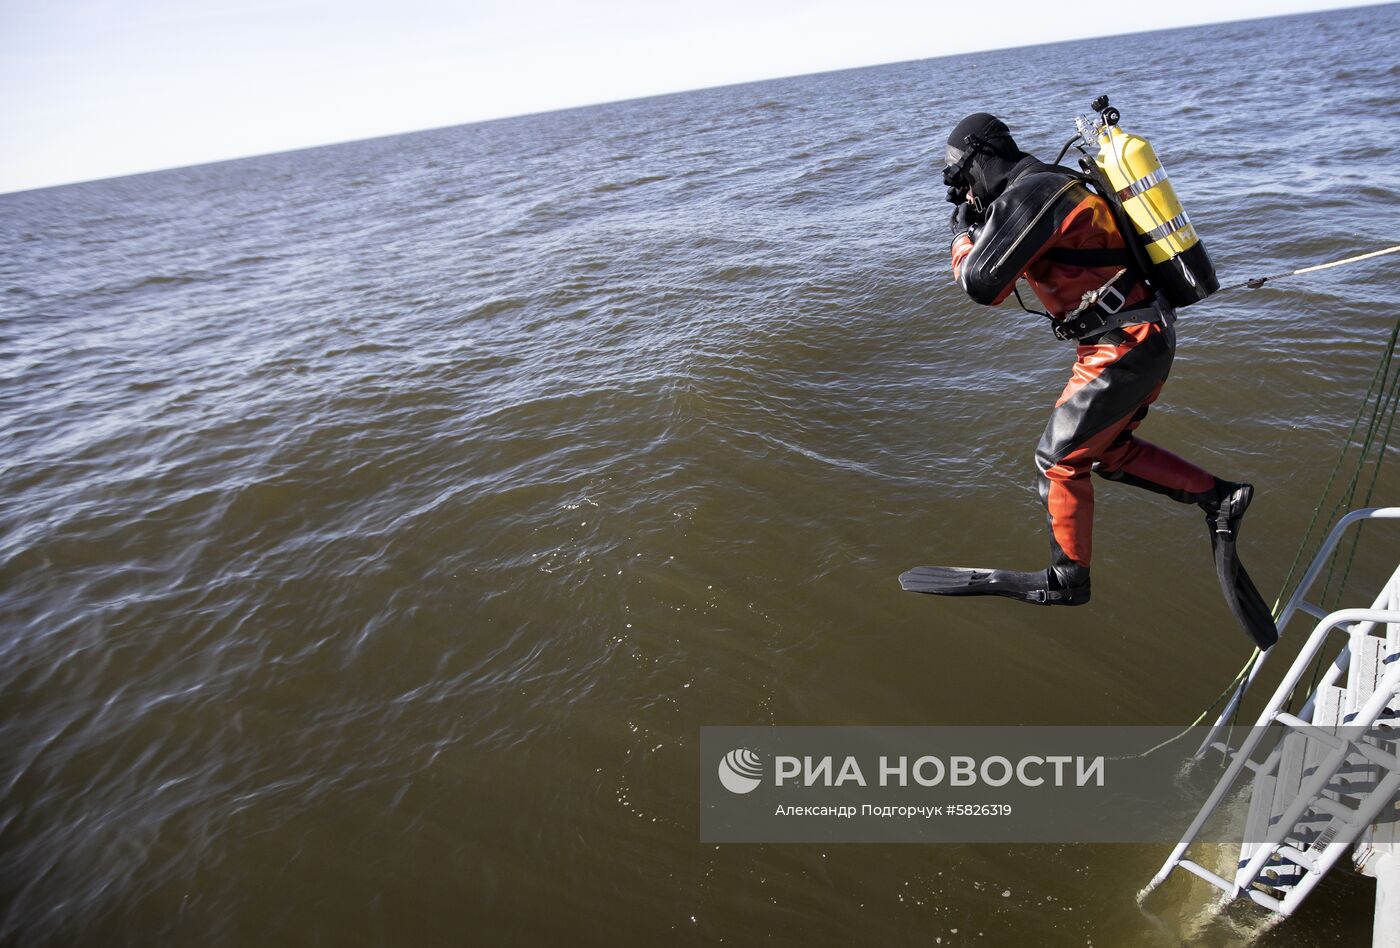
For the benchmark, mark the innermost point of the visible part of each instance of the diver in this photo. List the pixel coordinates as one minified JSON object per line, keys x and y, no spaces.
{"x":1016,"y":216}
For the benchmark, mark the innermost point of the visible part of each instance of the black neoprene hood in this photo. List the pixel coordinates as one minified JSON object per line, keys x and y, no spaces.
{"x":982,"y":126}
{"x":991,"y":166}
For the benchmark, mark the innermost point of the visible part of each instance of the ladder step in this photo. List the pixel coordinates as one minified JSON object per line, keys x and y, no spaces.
{"x":1256,"y":821}
{"x":1206,"y":874}
{"x":1317,"y":612}
{"x":1270,"y":903}
{"x":1333,"y":808}
{"x":1311,"y":731}
{"x":1290,"y":774}
{"x":1298,"y":857}
{"x":1364,"y":673}
{"x":1225,"y":750}
{"x":1327,"y":711}
{"x":1377,"y":756}
{"x":1356,"y":775}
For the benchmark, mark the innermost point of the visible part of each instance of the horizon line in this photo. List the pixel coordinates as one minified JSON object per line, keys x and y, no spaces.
{"x":674,"y":92}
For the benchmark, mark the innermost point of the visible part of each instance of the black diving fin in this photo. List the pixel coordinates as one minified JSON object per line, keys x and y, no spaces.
{"x":1044,"y":586}
{"x":1240,"y":593}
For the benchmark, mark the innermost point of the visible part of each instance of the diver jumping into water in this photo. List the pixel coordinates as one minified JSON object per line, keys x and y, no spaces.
{"x":1016,"y":216}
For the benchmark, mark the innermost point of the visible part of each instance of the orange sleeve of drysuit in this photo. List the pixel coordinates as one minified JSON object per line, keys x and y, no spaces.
{"x":962,"y":246}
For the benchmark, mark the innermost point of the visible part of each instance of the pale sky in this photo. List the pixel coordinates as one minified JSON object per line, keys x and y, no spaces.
{"x":100,"y":88}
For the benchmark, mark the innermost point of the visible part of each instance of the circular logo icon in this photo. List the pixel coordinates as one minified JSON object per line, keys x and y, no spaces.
{"x":740,"y":771}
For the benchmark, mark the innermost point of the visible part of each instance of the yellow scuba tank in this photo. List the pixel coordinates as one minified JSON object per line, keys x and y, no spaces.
{"x":1128,"y":171}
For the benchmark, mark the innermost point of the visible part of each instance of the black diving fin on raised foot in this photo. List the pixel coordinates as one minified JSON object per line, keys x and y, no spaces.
{"x":1240,"y":593}
{"x":1045,"y":586}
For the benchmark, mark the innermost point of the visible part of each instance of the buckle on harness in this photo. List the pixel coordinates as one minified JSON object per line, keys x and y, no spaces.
{"x":1107,"y":298}
{"x":1097,"y":310}
{"x":1105,"y":293}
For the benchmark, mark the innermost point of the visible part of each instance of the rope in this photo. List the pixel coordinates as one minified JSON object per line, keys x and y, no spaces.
{"x":1389,"y":414}
{"x":1348,"y":498}
{"x":1199,"y":718}
{"x":1257,"y":282}
{"x":1384,"y":408}
{"x":1349,"y":493}
{"x":1381,"y":369}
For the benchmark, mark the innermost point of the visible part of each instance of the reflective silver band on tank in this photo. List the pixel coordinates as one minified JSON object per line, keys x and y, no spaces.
{"x":1143,"y":183}
{"x":1170,"y":227}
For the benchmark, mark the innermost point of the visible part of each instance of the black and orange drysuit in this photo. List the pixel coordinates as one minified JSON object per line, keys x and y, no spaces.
{"x":1047,"y":226}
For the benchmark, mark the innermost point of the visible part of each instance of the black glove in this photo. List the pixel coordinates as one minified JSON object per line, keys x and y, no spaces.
{"x":964,"y":216}
{"x":955,"y":195}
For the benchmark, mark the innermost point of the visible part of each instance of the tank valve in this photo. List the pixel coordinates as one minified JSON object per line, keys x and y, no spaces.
{"x":1101,"y":106}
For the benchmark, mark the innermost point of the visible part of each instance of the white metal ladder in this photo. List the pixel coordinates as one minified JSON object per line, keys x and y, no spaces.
{"x":1321,"y":788}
